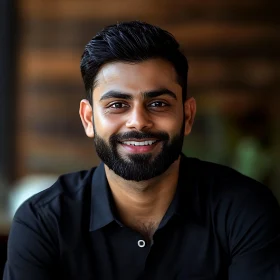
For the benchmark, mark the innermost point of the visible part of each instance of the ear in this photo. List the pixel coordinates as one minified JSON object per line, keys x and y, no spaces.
{"x":190,"y":111}
{"x":86,"y":114}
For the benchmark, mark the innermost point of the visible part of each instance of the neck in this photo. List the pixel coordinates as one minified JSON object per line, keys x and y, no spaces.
{"x":143,"y":203}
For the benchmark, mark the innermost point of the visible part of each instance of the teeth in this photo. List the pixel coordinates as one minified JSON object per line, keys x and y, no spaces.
{"x":142,"y":143}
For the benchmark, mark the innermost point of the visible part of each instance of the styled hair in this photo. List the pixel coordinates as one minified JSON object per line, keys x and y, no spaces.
{"x":131,"y":42}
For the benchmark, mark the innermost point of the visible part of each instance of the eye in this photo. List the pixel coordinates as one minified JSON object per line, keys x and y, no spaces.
{"x":158,"y":104}
{"x":117,"y":105}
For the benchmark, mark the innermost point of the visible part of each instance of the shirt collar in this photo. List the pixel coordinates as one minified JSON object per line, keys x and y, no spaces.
{"x":101,"y":210}
{"x":182,"y":205}
{"x":188,"y":205}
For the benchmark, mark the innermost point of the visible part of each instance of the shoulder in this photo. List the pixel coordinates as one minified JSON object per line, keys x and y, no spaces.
{"x":219,"y":181}
{"x":228,"y":196}
{"x":68,"y":187}
{"x":244,"y":212}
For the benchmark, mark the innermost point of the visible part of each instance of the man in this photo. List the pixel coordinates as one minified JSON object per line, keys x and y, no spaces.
{"x":147,"y":211}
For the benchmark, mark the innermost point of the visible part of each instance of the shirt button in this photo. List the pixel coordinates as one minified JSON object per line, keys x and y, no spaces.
{"x":141,"y":243}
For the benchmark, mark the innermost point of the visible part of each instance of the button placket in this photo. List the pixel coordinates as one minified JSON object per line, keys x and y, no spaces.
{"x":141,"y":243}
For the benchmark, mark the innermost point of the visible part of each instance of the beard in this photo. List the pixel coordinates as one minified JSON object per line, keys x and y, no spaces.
{"x":139,"y":167}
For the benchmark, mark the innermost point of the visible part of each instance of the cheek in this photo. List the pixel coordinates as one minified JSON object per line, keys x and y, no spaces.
{"x":106,"y":125}
{"x":171,"y":123}
{"x":173,"y":128}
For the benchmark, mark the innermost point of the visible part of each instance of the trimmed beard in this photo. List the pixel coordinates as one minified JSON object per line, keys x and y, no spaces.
{"x":139,"y":167}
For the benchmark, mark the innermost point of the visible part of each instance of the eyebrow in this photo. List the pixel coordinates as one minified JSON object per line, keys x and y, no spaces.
{"x":146,"y":94}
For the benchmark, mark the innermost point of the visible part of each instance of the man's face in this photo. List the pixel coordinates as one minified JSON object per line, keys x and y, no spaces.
{"x":138,"y":118}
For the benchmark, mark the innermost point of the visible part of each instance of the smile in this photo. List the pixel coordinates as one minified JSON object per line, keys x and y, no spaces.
{"x":139,"y":143}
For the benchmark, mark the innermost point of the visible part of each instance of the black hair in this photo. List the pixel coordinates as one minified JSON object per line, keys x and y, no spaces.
{"x":133,"y":42}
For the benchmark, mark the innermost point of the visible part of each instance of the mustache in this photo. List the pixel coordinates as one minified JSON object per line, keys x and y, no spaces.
{"x":162,"y":136}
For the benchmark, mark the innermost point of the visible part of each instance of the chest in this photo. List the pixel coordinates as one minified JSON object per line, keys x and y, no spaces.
{"x":181,"y":253}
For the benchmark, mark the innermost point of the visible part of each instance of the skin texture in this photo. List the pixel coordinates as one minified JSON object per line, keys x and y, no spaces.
{"x":140,"y":204}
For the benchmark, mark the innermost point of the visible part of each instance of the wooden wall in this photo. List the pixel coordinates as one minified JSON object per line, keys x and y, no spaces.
{"x":232,"y":46}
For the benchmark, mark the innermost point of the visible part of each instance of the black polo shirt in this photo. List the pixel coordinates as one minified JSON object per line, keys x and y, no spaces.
{"x":220,"y":225}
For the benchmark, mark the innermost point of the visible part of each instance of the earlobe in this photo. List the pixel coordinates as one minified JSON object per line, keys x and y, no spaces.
{"x":190,"y":111}
{"x":86,"y":114}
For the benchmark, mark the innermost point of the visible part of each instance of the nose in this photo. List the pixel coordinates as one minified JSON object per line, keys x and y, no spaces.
{"x":139,"y":119}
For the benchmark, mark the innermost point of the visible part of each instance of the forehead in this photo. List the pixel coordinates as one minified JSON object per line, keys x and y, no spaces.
{"x":136,"y":77}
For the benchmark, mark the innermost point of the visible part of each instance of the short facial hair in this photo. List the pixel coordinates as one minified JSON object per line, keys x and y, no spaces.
{"x":139,"y":167}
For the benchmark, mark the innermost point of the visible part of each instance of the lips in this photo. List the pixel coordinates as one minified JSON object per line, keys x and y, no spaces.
{"x":135,"y":142}
{"x":139,"y":146}
{"x":139,"y":143}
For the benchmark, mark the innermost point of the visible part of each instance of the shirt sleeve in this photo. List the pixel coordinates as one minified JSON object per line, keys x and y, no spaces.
{"x":31,"y":252}
{"x":254,"y":237}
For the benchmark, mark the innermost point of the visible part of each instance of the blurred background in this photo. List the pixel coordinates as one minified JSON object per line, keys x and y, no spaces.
{"x":233,"y":51}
